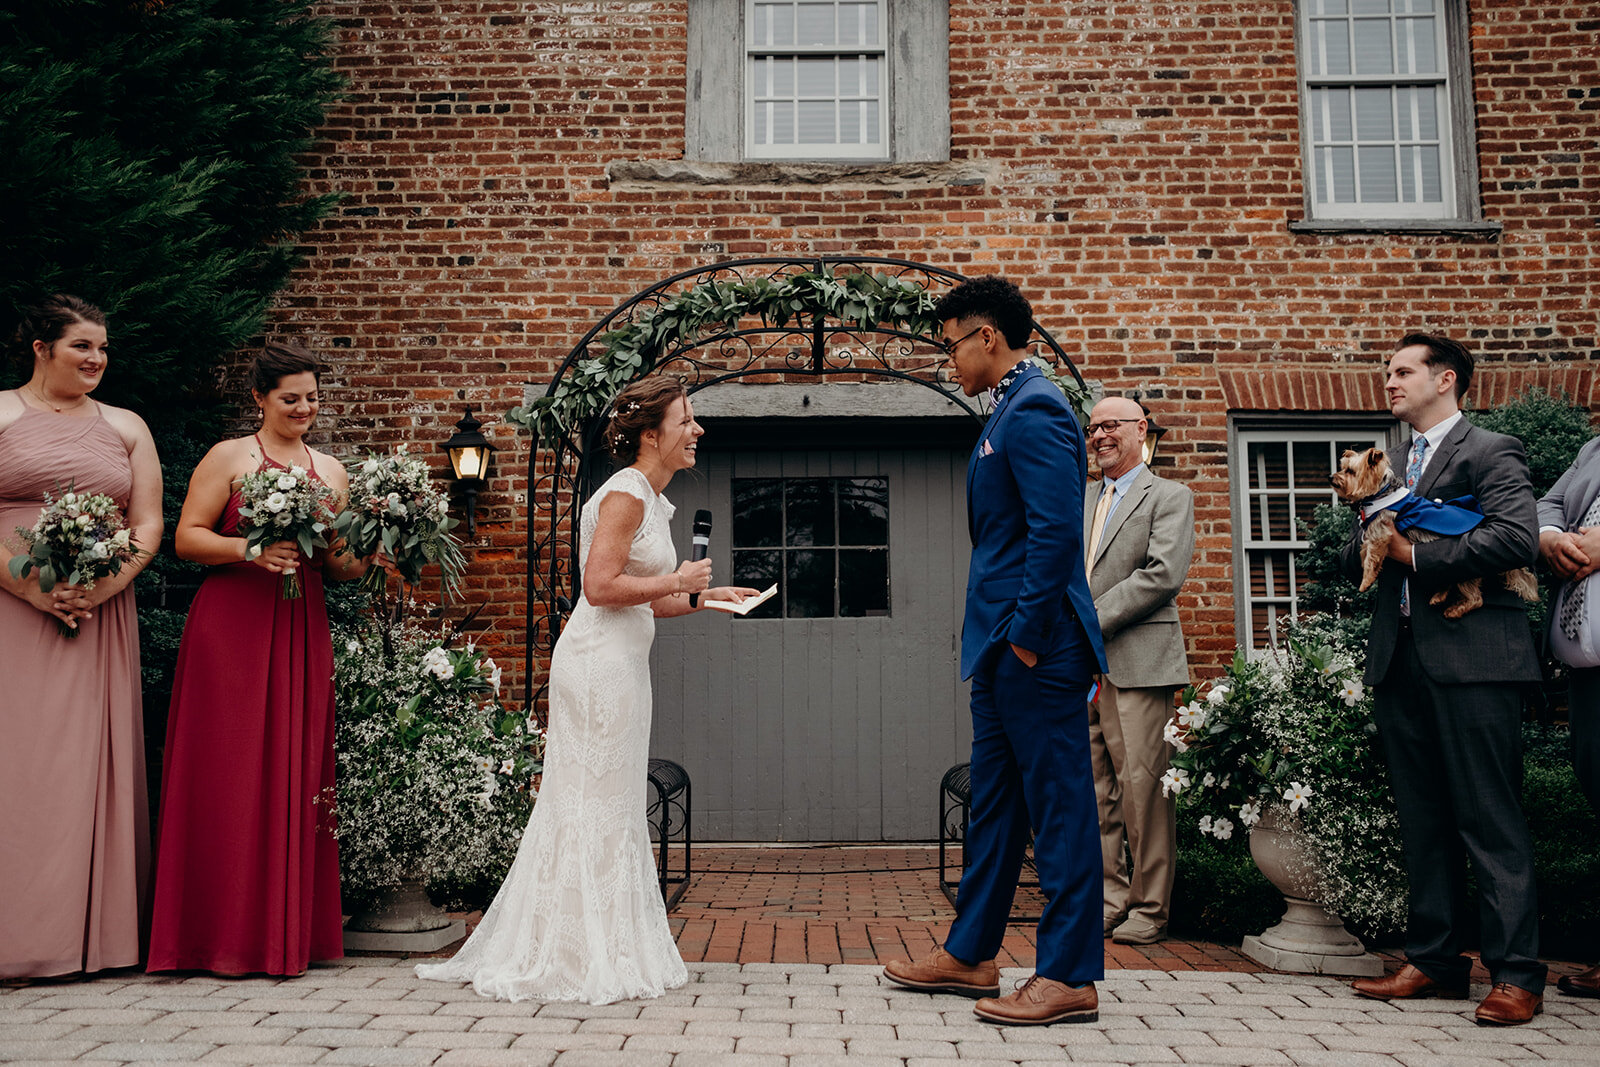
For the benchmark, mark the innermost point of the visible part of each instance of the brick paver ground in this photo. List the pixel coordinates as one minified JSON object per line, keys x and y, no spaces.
{"x":861,"y":905}
{"x":783,"y":949}
{"x":373,"y":1010}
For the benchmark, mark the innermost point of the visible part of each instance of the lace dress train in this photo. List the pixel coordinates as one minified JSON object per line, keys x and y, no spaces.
{"x":580,"y":917}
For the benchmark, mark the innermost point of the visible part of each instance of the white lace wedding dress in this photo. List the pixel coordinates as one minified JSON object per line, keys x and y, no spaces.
{"x":580,"y":917}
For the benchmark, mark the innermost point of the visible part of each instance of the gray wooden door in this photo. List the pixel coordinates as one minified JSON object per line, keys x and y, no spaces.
{"x":822,"y":729}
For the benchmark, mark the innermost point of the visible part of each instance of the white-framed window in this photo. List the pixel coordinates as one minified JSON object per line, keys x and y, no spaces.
{"x":1386,"y":110}
{"x":818,"y":80}
{"x":1280,"y":475}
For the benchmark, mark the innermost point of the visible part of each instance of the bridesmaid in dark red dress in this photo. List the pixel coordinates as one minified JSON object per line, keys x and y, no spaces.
{"x":247,"y":872}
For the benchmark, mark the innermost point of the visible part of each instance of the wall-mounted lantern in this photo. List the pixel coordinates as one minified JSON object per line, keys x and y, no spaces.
{"x":470,"y":454}
{"x":1152,"y":436}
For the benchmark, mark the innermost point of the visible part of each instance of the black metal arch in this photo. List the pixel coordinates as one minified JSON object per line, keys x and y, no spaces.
{"x":811,"y":346}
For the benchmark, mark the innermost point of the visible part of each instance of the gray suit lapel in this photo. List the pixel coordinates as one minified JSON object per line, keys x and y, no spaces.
{"x":1582,"y":494}
{"x":1442,"y":457}
{"x":1125,"y":507}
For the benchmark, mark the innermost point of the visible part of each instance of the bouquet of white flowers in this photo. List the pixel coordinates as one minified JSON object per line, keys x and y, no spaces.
{"x":78,"y":538}
{"x":394,"y":506}
{"x":285,"y":504}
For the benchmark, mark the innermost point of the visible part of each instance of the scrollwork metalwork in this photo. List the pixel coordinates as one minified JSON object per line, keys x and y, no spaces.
{"x":815,"y":339}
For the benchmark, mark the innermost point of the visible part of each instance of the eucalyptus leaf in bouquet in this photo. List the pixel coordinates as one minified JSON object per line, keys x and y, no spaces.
{"x":78,"y":539}
{"x":1294,"y":728}
{"x":285,"y":504}
{"x":436,"y":778}
{"x":395,"y":506}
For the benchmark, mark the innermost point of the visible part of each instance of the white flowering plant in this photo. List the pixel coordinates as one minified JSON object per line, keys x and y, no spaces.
{"x":1294,"y":729}
{"x":285,"y":504}
{"x":436,"y":778}
{"x":78,"y":538}
{"x":395,"y":506}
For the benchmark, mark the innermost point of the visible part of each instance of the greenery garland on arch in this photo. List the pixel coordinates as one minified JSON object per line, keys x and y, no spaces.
{"x":859,"y":299}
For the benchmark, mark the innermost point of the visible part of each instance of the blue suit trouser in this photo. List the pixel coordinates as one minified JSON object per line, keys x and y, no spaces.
{"x":1031,"y":766}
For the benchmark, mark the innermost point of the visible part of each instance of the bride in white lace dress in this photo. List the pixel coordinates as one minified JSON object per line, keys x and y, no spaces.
{"x":579,"y":916}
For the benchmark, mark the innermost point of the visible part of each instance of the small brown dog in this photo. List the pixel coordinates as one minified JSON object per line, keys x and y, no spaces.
{"x":1365,"y":481}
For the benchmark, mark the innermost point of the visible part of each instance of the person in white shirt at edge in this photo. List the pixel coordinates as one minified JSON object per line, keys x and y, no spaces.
{"x":1569,"y":541}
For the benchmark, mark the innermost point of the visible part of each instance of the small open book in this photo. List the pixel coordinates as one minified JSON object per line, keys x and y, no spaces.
{"x":749,"y":604}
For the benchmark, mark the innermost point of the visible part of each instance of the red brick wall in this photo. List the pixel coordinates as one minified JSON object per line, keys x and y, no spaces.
{"x":1144,"y":163}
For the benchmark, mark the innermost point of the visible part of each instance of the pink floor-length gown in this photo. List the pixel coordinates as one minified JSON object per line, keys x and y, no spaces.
{"x":247,"y":871}
{"x":74,"y":816}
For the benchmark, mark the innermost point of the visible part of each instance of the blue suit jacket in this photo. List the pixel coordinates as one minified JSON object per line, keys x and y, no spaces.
{"x":1025,"y":480}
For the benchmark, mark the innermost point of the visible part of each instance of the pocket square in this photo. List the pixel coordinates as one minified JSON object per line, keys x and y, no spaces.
{"x":987,"y":449}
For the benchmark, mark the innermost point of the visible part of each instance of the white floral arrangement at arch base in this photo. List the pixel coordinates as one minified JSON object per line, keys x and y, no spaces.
{"x":1294,"y":728}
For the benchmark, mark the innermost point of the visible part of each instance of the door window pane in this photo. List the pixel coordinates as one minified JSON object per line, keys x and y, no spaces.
{"x":758,"y":512}
{"x":759,"y":570}
{"x":863,"y":582}
{"x":809,"y":585}
{"x":863,"y":511}
{"x":808,"y":511}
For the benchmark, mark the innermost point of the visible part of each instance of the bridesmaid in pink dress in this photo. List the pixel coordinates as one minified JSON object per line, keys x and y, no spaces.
{"x":247,"y":872}
{"x":74,"y":834}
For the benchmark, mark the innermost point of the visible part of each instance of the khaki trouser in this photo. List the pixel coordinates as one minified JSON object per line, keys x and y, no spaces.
{"x":1125,"y":727}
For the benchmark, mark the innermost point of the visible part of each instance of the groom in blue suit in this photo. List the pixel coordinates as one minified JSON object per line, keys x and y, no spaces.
{"x":1031,"y":643}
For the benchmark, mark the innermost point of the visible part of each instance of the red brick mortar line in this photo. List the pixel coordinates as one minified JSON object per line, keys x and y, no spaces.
{"x":870,"y":905}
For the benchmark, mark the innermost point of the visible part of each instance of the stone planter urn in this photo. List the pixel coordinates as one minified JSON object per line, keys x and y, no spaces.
{"x":1309,"y":939}
{"x":402,"y":920}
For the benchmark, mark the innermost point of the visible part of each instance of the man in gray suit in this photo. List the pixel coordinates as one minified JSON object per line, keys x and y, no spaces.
{"x":1448,"y":696}
{"x":1140,"y":542}
{"x":1569,"y":540}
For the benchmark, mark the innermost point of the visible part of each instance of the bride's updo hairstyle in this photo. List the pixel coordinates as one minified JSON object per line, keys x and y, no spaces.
{"x":641,"y":406}
{"x":277,"y":361}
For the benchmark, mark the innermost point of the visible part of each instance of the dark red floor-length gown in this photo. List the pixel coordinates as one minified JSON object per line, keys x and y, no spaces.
{"x":247,"y":870}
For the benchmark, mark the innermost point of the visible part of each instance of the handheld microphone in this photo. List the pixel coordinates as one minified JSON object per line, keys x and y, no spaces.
{"x":702,"y":545}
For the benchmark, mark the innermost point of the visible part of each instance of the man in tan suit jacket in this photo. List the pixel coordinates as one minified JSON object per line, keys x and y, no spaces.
{"x":1139,"y":535}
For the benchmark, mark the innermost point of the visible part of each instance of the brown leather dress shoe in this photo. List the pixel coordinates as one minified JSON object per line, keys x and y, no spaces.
{"x":940,"y":972}
{"x":1405,"y":984}
{"x":1040,"y":1002}
{"x":1582,"y":984}
{"x":1508,"y":1005}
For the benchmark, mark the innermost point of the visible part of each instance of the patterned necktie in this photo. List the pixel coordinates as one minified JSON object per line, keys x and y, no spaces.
{"x":1572,"y":603}
{"x":1097,"y":527}
{"x":1419,"y":450}
{"x":1414,"y":468}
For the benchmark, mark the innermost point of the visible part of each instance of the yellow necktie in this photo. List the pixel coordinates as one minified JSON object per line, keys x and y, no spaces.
{"x":1097,"y":527}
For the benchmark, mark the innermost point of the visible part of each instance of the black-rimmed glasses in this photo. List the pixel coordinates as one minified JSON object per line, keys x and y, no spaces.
{"x":950,"y":346}
{"x":1108,"y":425}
